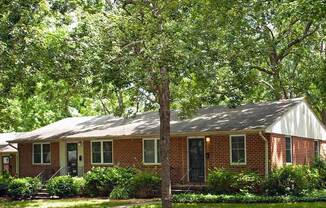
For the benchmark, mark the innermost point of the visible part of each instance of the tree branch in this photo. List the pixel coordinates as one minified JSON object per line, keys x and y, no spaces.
{"x":307,"y":32}
{"x":262,"y":69}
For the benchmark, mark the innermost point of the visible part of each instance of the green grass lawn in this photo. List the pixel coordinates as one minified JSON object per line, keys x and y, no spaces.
{"x":67,"y":203}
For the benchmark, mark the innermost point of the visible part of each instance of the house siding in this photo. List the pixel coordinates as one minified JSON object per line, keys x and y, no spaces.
{"x":27,"y":168}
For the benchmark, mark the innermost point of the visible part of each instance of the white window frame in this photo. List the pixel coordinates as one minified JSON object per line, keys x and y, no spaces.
{"x":291,"y":141}
{"x":42,"y":159}
{"x":155,"y":151}
{"x":102,"y":159}
{"x":245,"y":149}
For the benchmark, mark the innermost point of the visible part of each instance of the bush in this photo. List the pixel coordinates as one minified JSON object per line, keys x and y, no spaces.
{"x":320,"y":165}
{"x":146,"y":185}
{"x":79,"y":185}
{"x":5,"y":178}
{"x":120,"y":192}
{"x":220,"y":181}
{"x":100,"y":181}
{"x":247,"y":182}
{"x":247,"y":198}
{"x":291,"y":180}
{"x":21,"y":188}
{"x":65,"y":186}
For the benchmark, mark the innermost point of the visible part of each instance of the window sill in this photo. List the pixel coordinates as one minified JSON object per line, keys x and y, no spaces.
{"x":152,"y":164}
{"x":41,"y":163}
{"x":102,"y":164}
{"x":238,"y":164}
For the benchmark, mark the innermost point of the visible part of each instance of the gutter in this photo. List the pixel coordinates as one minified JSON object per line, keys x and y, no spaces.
{"x":266,"y":153}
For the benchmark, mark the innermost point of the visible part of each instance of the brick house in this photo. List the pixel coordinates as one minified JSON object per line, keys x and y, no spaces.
{"x":8,"y":154}
{"x":256,"y":137}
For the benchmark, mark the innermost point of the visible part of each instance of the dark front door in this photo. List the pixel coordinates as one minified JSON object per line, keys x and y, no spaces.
{"x":196,"y":160}
{"x":72,"y":162}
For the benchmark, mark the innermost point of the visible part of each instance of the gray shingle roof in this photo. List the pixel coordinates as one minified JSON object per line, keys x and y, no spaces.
{"x":245,"y":117}
{"x":4,"y":138}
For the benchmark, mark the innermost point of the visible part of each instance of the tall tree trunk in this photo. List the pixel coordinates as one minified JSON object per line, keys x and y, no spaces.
{"x":164,"y":101}
{"x":323,"y":115}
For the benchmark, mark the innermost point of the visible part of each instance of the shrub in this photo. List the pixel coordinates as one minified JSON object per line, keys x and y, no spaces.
{"x":120,"y":192}
{"x":62,"y":186}
{"x":220,"y":181}
{"x":100,"y":181}
{"x":320,"y":165}
{"x":146,"y":185}
{"x":247,"y":182}
{"x":241,"y":198}
{"x":79,"y":185}
{"x":291,"y":180}
{"x":21,"y":188}
{"x":5,"y":178}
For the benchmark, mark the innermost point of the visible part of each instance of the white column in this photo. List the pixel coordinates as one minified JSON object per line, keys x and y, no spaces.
{"x":80,"y":151}
{"x":63,"y":157}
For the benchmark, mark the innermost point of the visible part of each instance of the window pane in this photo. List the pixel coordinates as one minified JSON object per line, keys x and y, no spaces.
{"x":288,"y":151}
{"x":238,"y":149}
{"x":149,"y":151}
{"x":241,"y":156}
{"x":46,"y":153}
{"x":235,"y":156}
{"x":158,"y":151}
{"x":107,"y":152}
{"x":316,"y":149}
{"x":96,"y":152}
{"x":37,"y":153}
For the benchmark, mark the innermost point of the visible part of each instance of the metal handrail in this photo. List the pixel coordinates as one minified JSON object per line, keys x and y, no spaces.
{"x":40,"y":173}
{"x":56,"y":172}
{"x":187,"y":173}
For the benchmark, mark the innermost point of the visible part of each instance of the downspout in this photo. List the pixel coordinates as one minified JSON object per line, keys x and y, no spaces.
{"x":266,"y":152}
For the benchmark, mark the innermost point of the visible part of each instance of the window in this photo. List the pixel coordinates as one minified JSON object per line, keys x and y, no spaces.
{"x":42,"y":153}
{"x":102,"y":152}
{"x":288,"y":149}
{"x":151,"y":151}
{"x":317,"y":149}
{"x":238,"y":149}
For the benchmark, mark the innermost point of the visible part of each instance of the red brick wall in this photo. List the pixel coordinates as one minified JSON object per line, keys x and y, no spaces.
{"x":219,"y":150}
{"x":26,"y":167}
{"x":302,"y":150}
{"x":129,"y":153}
{"x":277,"y":152}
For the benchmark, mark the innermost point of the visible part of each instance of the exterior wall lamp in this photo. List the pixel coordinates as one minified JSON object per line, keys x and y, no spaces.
{"x":208,"y":139}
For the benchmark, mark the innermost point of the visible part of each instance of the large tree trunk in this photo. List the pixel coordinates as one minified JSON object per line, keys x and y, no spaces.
{"x":164,"y":100}
{"x":323,"y":115}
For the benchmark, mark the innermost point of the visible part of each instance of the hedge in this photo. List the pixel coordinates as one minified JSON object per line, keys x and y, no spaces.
{"x":208,"y":198}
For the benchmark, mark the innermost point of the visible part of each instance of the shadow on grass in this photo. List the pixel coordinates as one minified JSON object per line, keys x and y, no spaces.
{"x":63,"y":203}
